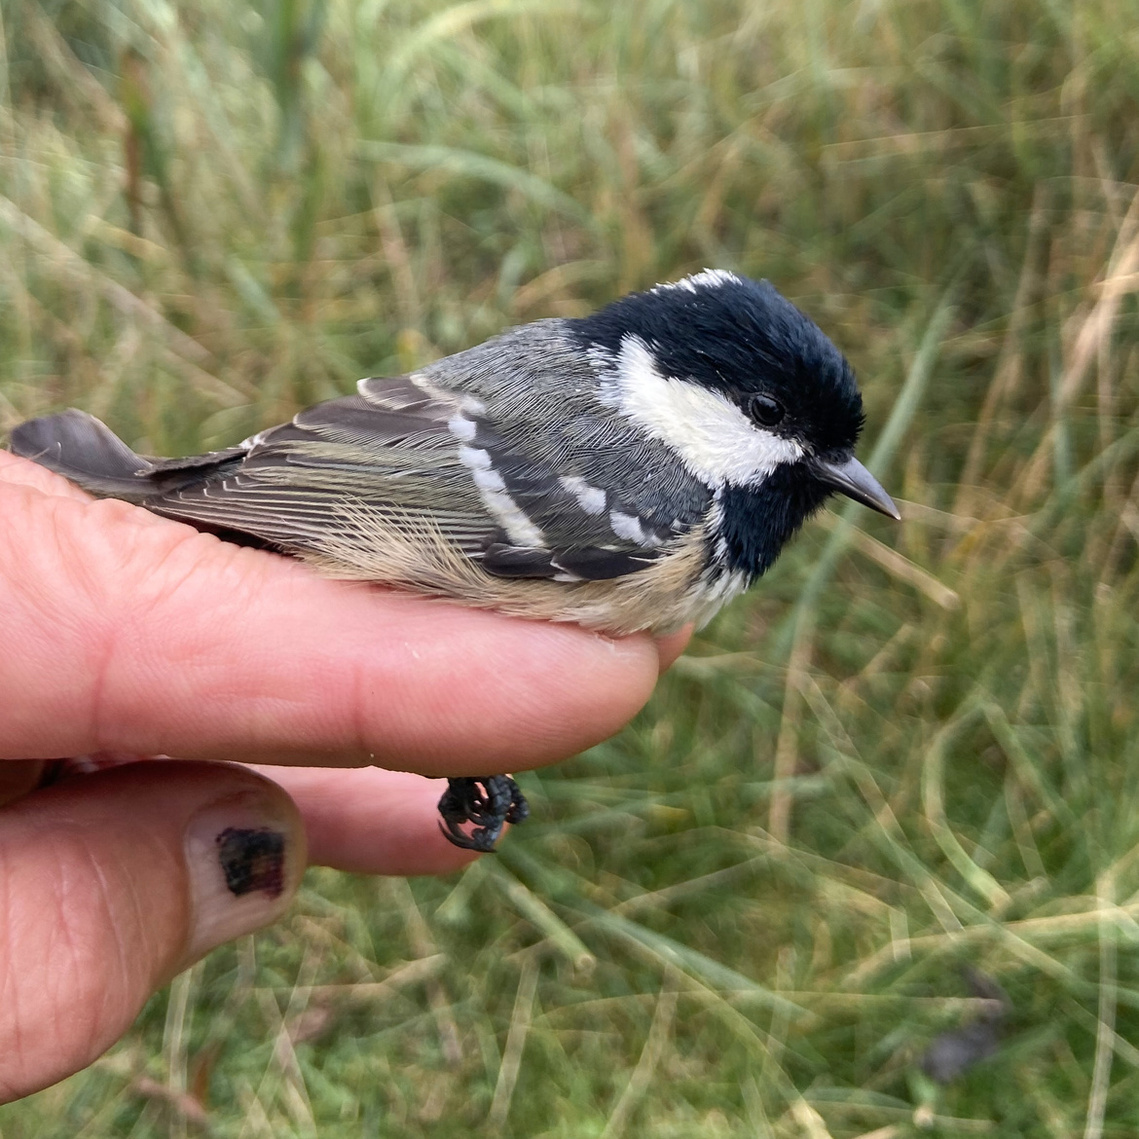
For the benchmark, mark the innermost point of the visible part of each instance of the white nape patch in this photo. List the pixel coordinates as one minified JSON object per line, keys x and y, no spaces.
{"x":462,"y":427}
{"x":590,"y":498}
{"x":629,"y":527}
{"x":705,"y":277}
{"x":495,"y":497}
{"x":717,"y":442}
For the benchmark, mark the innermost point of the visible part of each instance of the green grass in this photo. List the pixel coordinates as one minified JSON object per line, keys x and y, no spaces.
{"x":911,"y":749}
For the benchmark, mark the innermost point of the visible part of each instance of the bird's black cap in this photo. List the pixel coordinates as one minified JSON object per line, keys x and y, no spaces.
{"x":741,"y":337}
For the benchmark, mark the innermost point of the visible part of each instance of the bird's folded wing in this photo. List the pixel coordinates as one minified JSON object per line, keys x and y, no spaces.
{"x":399,"y":468}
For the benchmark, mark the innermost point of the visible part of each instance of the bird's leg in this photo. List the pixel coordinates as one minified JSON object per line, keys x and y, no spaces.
{"x":488,"y":801}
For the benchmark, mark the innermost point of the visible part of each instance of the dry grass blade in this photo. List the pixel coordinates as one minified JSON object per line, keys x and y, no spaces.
{"x":515,"y":1043}
{"x":646,"y":1069}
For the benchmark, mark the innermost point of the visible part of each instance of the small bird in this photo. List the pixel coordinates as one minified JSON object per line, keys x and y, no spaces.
{"x":633,"y":469}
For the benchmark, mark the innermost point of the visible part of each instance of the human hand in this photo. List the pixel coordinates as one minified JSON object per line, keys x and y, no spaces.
{"x":127,"y":634}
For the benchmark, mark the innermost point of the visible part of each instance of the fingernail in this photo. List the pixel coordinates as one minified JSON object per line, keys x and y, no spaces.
{"x":245,"y":860}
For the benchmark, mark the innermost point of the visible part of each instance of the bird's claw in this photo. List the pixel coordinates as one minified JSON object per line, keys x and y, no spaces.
{"x":488,"y":801}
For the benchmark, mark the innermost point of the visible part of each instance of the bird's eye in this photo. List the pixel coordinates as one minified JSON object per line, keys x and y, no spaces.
{"x":765,"y":410}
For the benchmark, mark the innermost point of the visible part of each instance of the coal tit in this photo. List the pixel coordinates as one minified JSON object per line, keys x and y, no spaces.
{"x":634,"y":469}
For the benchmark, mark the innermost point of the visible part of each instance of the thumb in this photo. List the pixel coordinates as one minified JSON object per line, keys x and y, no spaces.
{"x":113,"y":882}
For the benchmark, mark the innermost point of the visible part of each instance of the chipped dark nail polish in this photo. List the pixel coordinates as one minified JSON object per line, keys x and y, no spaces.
{"x":252,"y":859}
{"x":245,"y":854}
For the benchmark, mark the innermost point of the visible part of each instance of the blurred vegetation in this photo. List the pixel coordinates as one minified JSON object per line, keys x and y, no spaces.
{"x":911,"y":749}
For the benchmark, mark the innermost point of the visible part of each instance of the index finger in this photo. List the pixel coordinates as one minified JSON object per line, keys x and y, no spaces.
{"x":126,"y":632}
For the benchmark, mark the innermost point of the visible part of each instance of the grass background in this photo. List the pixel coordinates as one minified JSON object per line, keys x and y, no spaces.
{"x":911,"y":749}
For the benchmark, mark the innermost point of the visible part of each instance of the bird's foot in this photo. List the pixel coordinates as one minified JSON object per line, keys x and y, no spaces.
{"x":488,"y":801}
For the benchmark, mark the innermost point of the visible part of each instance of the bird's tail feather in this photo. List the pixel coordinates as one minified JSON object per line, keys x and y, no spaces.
{"x":86,"y":451}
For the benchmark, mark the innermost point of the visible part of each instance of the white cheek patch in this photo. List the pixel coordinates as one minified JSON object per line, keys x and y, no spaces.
{"x":495,"y":497}
{"x":717,"y":442}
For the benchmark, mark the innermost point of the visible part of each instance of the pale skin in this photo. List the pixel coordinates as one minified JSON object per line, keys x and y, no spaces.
{"x":128,"y":636}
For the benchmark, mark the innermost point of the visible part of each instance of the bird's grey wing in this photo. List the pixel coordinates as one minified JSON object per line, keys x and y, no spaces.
{"x":396,"y":461}
{"x":533,"y":392}
{"x":297,"y":482}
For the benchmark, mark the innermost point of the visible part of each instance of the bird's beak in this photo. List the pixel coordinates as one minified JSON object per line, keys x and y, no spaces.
{"x":855,"y":481}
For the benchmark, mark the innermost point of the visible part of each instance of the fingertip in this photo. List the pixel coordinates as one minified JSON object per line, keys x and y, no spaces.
{"x":469,"y":692}
{"x":593,"y":685}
